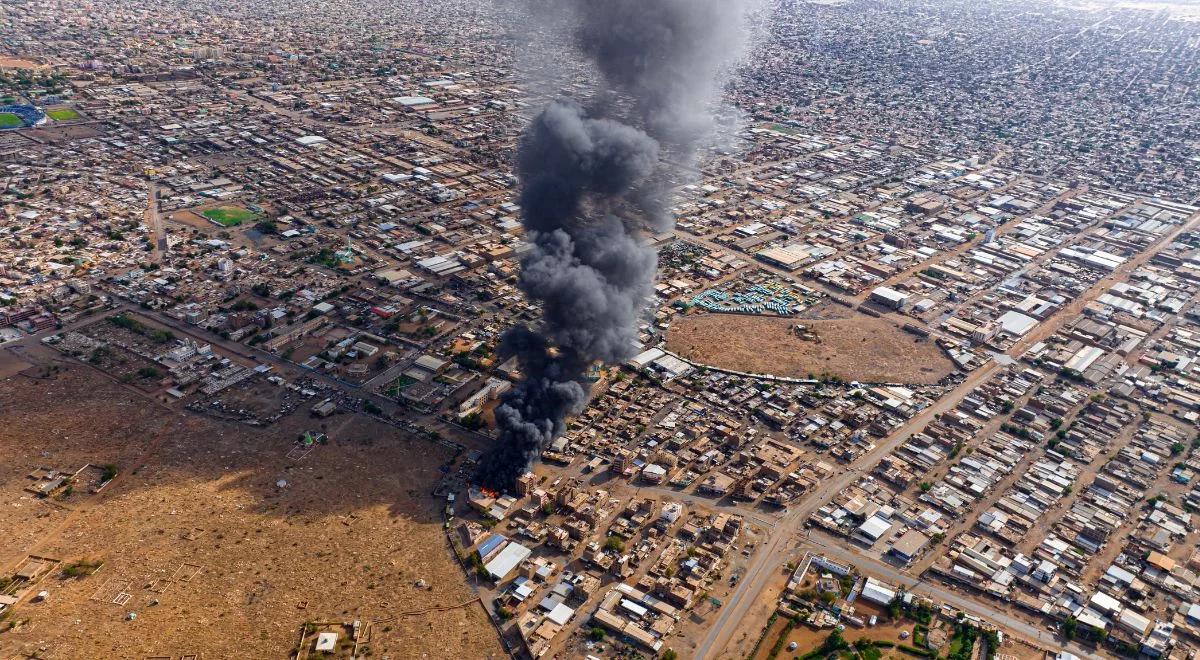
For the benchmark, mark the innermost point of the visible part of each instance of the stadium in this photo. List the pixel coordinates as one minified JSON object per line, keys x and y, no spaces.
{"x":20,"y":116}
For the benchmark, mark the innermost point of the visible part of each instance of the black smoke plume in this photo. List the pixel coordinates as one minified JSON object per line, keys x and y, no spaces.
{"x":589,"y":184}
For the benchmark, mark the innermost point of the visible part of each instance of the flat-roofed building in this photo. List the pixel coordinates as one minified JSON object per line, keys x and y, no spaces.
{"x":888,"y":297}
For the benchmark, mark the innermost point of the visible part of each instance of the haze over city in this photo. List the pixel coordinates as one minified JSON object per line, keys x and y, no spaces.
{"x":711,"y":329}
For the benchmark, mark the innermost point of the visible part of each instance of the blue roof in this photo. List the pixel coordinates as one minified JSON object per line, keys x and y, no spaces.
{"x":490,"y":543}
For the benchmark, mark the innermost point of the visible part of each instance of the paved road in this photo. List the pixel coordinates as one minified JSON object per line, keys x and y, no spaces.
{"x":158,"y":233}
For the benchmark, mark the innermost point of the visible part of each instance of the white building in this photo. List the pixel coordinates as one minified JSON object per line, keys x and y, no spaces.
{"x":508,"y":560}
{"x":877,"y":592}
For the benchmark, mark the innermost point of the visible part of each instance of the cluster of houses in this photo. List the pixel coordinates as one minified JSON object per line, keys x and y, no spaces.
{"x":645,"y":563}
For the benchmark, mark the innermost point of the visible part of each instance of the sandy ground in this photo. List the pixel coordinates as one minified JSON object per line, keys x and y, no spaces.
{"x":11,"y":364}
{"x":7,"y":62}
{"x":76,"y":129}
{"x":347,"y":538}
{"x":861,"y":347}
{"x":764,"y":604}
{"x":192,"y":218}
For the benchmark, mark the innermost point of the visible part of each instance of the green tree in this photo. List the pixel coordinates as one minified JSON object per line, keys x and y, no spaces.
{"x":834,"y":643}
{"x":1070,"y":628}
{"x":895,"y":608}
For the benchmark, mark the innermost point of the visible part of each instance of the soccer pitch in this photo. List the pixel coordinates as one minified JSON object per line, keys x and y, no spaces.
{"x":229,"y":216}
{"x":63,"y":114}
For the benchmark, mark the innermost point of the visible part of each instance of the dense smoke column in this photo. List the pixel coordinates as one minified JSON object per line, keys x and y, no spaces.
{"x":669,"y":56}
{"x":586,"y":267}
{"x":588,"y":185}
{"x":533,"y":411}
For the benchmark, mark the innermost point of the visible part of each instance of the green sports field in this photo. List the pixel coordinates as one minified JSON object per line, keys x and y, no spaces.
{"x":9,"y":120}
{"x":63,"y":114}
{"x":229,"y":216}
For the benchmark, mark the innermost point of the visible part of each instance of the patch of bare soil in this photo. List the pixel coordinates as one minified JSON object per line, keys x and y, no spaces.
{"x":861,"y":347}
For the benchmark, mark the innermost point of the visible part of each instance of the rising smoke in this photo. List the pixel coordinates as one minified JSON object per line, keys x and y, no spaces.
{"x":589,"y":185}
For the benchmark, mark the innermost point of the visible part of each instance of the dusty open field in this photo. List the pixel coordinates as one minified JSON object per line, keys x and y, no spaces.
{"x":60,"y":132}
{"x":347,"y":538}
{"x":861,"y":348}
{"x":7,"y":62}
{"x":11,"y":364}
{"x":192,"y":218}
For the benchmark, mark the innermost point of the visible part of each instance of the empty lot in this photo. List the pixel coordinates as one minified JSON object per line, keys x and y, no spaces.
{"x":860,"y":347}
